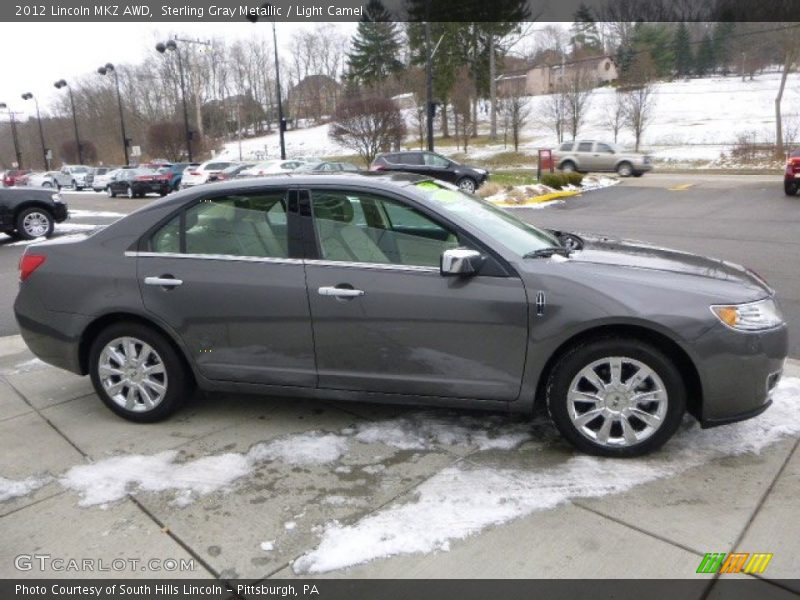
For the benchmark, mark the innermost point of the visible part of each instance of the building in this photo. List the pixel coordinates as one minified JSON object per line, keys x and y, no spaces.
{"x":314,"y":97}
{"x":544,"y":78}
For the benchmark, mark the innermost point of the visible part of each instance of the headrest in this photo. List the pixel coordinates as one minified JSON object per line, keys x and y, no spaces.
{"x":333,"y":208}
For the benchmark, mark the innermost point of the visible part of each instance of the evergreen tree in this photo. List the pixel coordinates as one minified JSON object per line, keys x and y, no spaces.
{"x":375,"y":47}
{"x":705,"y":62}
{"x":721,"y":40}
{"x":654,"y":39}
{"x":681,"y":48}
{"x":584,"y":31}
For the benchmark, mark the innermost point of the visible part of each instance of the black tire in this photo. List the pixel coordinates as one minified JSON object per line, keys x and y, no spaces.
{"x":41,"y":217}
{"x":790,"y":188}
{"x":624,"y":169}
{"x":638,"y":173}
{"x":12,"y":233}
{"x":47,"y":184}
{"x":110,"y":193}
{"x":568,"y":167}
{"x":467,"y":184}
{"x":179,"y":383}
{"x":583,"y":355}
{"x":129,"y":192}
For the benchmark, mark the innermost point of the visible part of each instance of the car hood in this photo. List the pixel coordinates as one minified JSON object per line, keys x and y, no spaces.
{"x":598,"y":249}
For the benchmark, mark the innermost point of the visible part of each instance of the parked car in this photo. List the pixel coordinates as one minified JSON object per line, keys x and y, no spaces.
{"x":175,"y":171}
{"x":400,"y":288}
{"x":271,"y":167}
{"x":97,"y":172}
{"x":30,"y":213}
{"x":42,"y":179}
{"x":136,"y":183}
{"x":431,"y":164}
{"x":791,"y":176}
{"x":197,"y":175}
{"x":15,"y":177}
{"x":590,"y":155}
{"x":100,"y":182}
{"x":231,"y":172}
{"x":73,"y":176}
{"x":325,"y":166}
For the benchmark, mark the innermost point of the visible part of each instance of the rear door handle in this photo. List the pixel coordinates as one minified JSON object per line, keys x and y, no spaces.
{"x":338,"y":292}
{"x":163,"y":281}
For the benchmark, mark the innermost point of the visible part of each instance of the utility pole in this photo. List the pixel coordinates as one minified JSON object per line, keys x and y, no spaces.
{"x":14,"y":136}
{"x":281,"y":121}
{"x":429,"y":106}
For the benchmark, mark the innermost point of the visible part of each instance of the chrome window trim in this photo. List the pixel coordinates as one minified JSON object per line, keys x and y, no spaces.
{"x":287,"y":261}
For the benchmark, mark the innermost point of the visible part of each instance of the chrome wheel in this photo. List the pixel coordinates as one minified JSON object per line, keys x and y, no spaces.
{"x":129,"y":192}
{"x":568,"y":167}
{"x":617,"y":401}
{"x":36,"y":224}
{"x":467,"y":185}
{"x":132,"y":374}
{"x":625,"y":170}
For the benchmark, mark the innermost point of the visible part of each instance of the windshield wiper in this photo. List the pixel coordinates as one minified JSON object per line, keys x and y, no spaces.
{"x":547,"y":252}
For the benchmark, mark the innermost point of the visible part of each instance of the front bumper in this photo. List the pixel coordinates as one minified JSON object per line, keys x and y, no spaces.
{"x":60,"y":212}
{"x":738,"y":372}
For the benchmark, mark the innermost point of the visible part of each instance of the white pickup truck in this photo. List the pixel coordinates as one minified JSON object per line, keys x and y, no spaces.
{"x":73,"y":176}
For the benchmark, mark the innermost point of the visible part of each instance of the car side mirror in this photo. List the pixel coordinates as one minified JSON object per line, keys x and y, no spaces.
{"x":460,"y":262}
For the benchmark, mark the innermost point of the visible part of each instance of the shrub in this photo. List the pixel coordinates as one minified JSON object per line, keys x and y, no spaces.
{"x":558,"y":180}
{"x":574,"y":178}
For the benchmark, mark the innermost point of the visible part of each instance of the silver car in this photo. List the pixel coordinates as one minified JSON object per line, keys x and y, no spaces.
{"x":47,"y":179}
{"x":398,"y":288}
{"x":74,"y":176}
{"x":591,"y":155}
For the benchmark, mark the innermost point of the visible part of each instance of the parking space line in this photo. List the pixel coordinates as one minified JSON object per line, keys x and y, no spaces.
{"x":681,"y":188}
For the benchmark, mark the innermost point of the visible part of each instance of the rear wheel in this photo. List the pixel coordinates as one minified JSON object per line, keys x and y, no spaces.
{"x":129,"y":192}
{"x":34,"y":223}
{"x":568,"y":166}
{"x":616,"y":397}
{"x":624,"y":169}
{"x":790,"y":188}
{"x":46,"y":184}
{"x":137,"y":373}
{"x":110,"y":193}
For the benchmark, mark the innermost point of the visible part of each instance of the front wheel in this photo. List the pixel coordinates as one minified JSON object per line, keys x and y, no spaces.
{"x":616,"y":397}
{"x":129,"y":192}
{"x":568,"y":166}
{"x":624,"y":169}
{"x":790,"y":188}
{"x":465,"y":184}
{"x":34,"y":223}
{"x":47,"y":184}
{"x":137,"y":373}
{"x":110,"y":193}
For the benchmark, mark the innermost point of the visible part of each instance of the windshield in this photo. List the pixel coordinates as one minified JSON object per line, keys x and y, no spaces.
{"x":518,"y":236}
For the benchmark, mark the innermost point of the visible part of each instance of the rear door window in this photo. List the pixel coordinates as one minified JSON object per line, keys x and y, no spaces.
{"x":585,"y":146}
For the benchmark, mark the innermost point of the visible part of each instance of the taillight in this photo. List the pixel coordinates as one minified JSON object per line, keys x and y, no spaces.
{"x":28,"y":264}
{"x":377,"y":168}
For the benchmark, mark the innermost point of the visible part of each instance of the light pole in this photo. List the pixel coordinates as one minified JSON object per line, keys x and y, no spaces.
{"x":162,"y":47}
{"x":105,"y":70}
{"x":63,"y":84}
{"x":4,"y":106}
{"x":45,"y":161}
{"x":281,"y":121}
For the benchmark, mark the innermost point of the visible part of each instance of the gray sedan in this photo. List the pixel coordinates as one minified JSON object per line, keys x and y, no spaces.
{"x":397,"y":288}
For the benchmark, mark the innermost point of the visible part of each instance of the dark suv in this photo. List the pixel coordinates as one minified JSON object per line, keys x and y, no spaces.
{"x":434,"y":165}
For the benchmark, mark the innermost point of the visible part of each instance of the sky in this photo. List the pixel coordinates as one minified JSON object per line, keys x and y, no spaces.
{"x":35,"y":55}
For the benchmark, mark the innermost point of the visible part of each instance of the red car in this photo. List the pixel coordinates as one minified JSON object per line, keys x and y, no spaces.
{"x":15,"y":177}
{"x":791,"y":177}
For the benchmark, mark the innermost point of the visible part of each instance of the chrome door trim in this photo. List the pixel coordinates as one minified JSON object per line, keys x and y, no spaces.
{"x":224,"y":257}
{"x":374,"y":266}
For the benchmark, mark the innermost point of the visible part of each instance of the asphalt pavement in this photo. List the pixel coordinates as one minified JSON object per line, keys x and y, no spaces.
{"x":741,"y":218}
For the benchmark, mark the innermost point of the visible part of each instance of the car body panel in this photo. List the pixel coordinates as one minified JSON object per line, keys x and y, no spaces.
{"x":591,"y":155}
{"x":428,"y":164}
{"x":13,"y":200}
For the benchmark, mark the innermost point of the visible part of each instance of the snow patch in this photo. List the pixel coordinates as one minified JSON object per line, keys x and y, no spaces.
{"x":461,"y":501}
{"x":77,"y":213}
{"x":303,"y":449}
{"x":268,"y":546}
{"x":10,"y":488}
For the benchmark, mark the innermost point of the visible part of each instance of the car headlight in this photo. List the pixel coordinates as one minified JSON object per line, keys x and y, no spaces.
{"x":753,"y":316}
{"x":57,"y":198}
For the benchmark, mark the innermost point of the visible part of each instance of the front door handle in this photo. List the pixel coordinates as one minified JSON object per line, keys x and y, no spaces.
{"x":340,"y":292}
{"x":163,"y":281}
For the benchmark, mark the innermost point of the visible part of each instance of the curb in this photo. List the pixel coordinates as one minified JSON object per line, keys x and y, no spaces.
{"x":538,"y":199}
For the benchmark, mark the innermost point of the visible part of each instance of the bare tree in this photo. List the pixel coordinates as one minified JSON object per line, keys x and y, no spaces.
{"x":614,"y":114}
{"x":516,"y":111}
{"x":638,"y":110}
{"x":463,"y":92}
{"x":578,"y":87}
{"x":368,"y":126}
{"x":554,"y":113}
{"x":166,"y":139}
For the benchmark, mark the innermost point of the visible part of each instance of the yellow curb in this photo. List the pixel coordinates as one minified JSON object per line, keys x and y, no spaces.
{"x":681,"y":188}
{"x":540,"y":199}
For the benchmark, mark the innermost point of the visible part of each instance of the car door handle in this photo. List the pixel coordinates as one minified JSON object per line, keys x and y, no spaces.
{"x":163,"y":281}
{"x":340,"y":292}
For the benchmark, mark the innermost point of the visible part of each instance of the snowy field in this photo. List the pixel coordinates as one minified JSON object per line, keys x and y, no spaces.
{"x":694,"y":120}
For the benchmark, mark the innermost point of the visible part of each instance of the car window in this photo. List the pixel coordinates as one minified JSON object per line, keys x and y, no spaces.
{"x":604,"y":148}
{"x":434,"y":160}
{"x":410,"y":158}
{"x":367,"y":228}
{"x":585,"y":146}
{"x":566,"y":147}
{"x":242,"y":225}
{"x":217,"y":166}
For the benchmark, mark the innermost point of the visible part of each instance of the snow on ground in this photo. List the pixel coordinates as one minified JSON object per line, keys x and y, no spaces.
{"x":460,"y":501}
{"x":453,"y":504}
{"x":693,"y":120}
{"x":14,"y":489}
{"x":76,"y":213}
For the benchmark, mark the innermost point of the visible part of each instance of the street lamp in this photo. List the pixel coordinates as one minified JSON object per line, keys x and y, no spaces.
{"x":63,"y":84}
{"x":4,"y":106}
{"x":29,"y":96}
{"x":253,"y":17}
{"x":162,"y":47}
{"x":105,"y":70}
